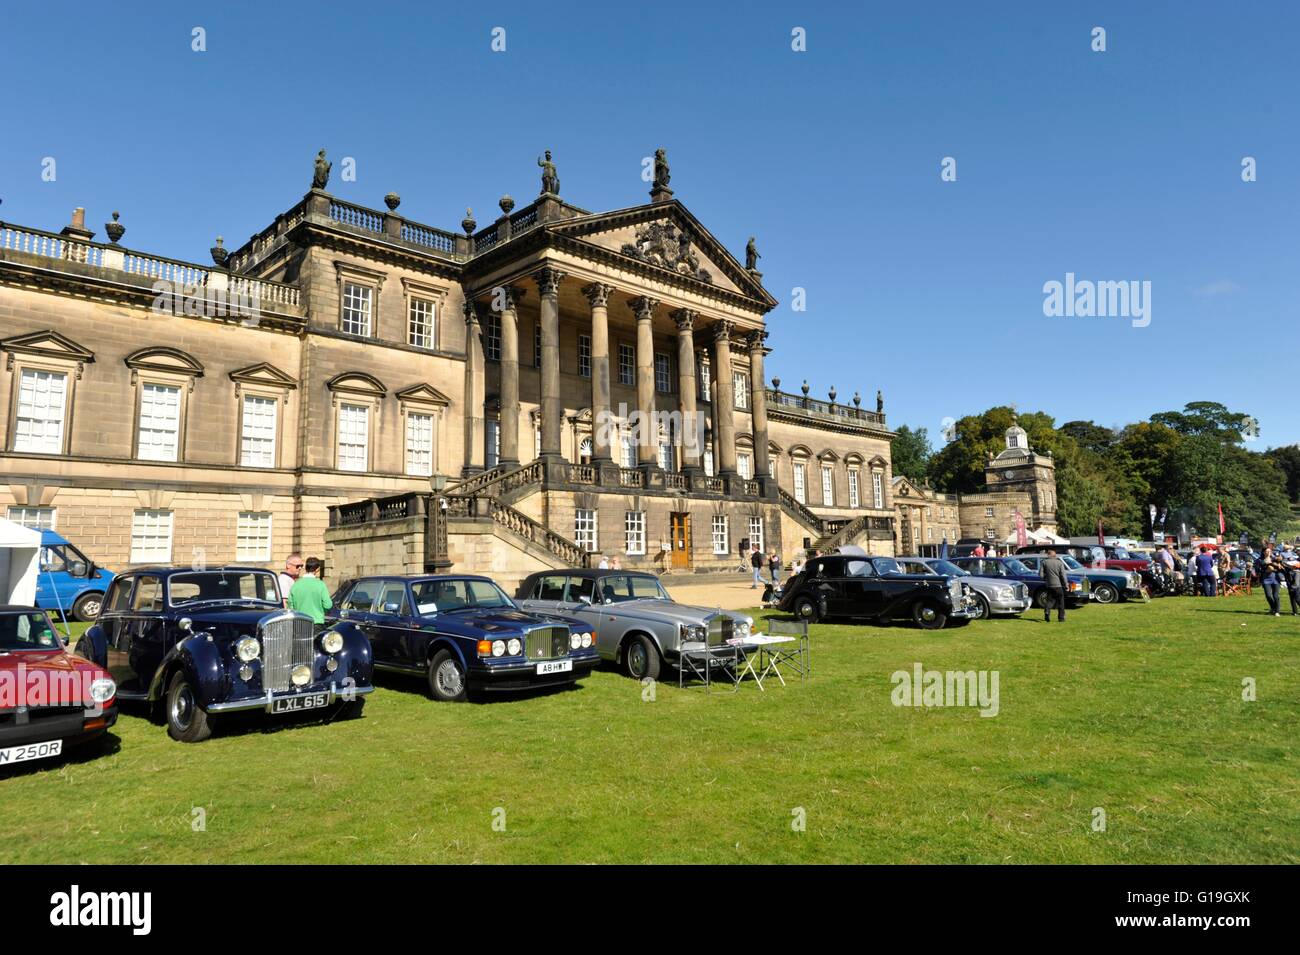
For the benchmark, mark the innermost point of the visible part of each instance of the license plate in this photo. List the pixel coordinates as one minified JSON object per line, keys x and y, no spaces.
{"x":299,"y":704}
{"x":18,"y":754}
{"x":555,"y":666}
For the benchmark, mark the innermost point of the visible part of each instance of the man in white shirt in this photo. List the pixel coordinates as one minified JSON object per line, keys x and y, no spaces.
{"x":292,"y":571}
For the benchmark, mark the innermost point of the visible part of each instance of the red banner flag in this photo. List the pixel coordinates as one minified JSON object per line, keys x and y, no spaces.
{"x":1022,"y":537}
{"x":1221,"y":527}
{"x":1101,"y":537}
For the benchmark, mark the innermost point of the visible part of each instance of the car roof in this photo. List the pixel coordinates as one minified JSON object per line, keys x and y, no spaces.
{"x":413,"y":578}
{"x":169,"y":571}
{"x":589,"y":572}
{"x":19,"y":608}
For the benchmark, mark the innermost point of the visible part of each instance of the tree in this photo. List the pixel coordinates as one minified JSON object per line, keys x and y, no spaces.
{"x":1288,"y":459}
{"x":1090,"y":435}
{"x":1205,"y":418}
{"x":911,"y":453}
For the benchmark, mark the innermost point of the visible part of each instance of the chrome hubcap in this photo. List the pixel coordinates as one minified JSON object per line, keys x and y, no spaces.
{"x":927,"y":614}
{"x":91,"y":607}
{"x":636,"y":659}
{"x":449,"y":678}
{"x":183,"y":708}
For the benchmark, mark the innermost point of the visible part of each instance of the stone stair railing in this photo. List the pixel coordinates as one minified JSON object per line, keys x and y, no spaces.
{"x":498,"y":481}
{"x":524,"y":526}
{"x":801,"y":513}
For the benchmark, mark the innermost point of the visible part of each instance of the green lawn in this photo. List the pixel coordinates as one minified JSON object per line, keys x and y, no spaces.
{"x":1136,"y":709}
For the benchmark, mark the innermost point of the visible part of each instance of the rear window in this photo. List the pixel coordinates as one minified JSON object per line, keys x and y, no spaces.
{"x":549,"y":588}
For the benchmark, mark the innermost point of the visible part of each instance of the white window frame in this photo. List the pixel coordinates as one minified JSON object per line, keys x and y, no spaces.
{"x":584,"y":356}
{"x":253,"y":535}
{"x":828,"y":485}
{"x":585,"y":529}
{"x":704,"y":372}
{"x":634,"y":531}
{"x":720,"y":532}
{"x":35,"y":518}
{"x":855,"y":498}
{"x":349,"y":462}
{"x":740,"y":389}
{"x":357,"y":310}
{"x":663,"y":373}
{"x":745,"y":465}
{"x":799,"y":477}
{"x":492,"y":336}
{"x":626,"y":363}
{"x":422,"y":322}
{"x":419,"y":443}
{"x":878,"y":489}
{"x":147,"y":413}
{"x":53,"y":430}
{"x":492,"y":442}
{"x":708,"y":461}
{"x":988,"y":511}
{"x":258,"y":450}
{"x":756,"y":534}
{"x":149,"y":527}
{"x":627,"y":440}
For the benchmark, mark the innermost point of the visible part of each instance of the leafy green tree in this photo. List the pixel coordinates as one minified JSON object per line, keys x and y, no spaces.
{"x":1090,"y":435}
{"x":1205,"y":418}
{"x":1288,"y":459}
{"x":911,"y":453}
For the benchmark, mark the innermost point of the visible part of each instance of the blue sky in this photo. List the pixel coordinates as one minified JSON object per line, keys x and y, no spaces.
{"x":1122,"y":165}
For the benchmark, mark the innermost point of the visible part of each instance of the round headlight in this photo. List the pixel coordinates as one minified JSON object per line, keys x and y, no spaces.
{"x":498,"y":648}
{"x":514,"y":647}
{"x":575,"y":641}
{"x":331,"y":641}
{"x":586,"y":640}
{"x":248,"y":649}
{"x":245,"y":672}
{"x":102,"y":690}
{"x":742,"y":628}
{"x":301,"y":675}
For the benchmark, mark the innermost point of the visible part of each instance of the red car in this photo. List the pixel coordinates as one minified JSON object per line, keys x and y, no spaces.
{"x":49,"y":696}
{"x":1100,"y":556}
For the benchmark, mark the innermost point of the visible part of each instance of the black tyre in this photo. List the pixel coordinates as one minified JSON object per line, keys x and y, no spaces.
{"x":1105,"y":594}
{"x":981,"y":610}
{"x":447,"y":683}
{"x":187,"y":721}
{"x":1040,"y":599}
{"x":86,"y":609}
{"x":349,"y":709}
{"x":805,"y":608}
{"x":641,"y":658}
{"x":929,"y":615}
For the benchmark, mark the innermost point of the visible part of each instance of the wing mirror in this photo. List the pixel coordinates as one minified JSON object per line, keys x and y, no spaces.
{"x":584,"y":599}
{"x":78,"y":568}
{"x":392,"y":608}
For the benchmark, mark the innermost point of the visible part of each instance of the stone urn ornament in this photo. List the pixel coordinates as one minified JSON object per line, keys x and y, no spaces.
{"x":506,"y":204}
{"x":468,"y":223}
{"x":392,"y":200}
{"x":115,"y":229}
{"x":219,"y":253}
{"x":776,"y":384}
{"x":805,"y":388}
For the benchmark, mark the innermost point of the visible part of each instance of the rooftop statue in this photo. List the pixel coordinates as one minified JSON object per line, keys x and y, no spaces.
{"x":321,"y":175}
{"x":751,"y":255}
{"x":661,"y":169}
{"x":550,"y":181}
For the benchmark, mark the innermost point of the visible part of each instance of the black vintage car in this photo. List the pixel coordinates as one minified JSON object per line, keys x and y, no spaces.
{"x":463,"y":634}
{"x":205,"y":642}
{"x":852,"y":586}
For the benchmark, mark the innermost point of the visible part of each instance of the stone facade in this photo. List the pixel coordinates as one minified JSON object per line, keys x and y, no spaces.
{"x":346,"y":354}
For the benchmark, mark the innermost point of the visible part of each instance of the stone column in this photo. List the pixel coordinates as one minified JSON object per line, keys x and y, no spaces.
{"x":510,"y":297}
{"x":548,"y":286}
{"x":758,"y":404}
{"x":692,"y":432}
{"x":724,"y":402}
{"x":474,"y":392}
{"x":598,"y":295}
{"x":648,"y":447}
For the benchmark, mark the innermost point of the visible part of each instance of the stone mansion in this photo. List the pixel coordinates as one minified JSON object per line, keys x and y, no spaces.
{"x":392,"y":396}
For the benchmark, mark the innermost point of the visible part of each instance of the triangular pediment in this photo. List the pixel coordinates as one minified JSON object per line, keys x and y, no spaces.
{"x":904,"y":488}
{"x":423,"y":394}
{"x":264,"y":373}
{"x":665,"y":235}
{"x":47,"y":344}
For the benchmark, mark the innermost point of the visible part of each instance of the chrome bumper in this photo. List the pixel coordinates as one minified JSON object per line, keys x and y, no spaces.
{"x":265,"y":702}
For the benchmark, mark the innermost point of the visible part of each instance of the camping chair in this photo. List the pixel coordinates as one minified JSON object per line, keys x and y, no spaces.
{"x":1234,"y":584}
{"x":700,"y":658}
{"x":799,"y":658}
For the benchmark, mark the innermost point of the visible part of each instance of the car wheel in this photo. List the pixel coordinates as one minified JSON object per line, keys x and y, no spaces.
{"x":349,"y":710}
{"x":1105,"y":594}
{"x":86,"y":609}
{"x":641,"y":658}
{"x":928,"y":615}
{"x":981,"y":611}
{"x":805,"y":608}
{"x":447,"y":681}
{"x":187,"y":721}
{"x":1040,"y":599}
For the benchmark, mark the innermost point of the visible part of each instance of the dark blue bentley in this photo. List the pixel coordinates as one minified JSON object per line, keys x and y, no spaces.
{"x":207,"y":642}
{"x":464,"y":634}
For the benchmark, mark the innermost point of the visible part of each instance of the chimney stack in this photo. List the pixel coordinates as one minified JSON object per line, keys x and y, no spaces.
{"x":77,"y":229}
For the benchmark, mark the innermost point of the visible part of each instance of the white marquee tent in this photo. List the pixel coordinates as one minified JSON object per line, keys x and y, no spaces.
{"x":1039,"y":536}
{"x":20,"y":554}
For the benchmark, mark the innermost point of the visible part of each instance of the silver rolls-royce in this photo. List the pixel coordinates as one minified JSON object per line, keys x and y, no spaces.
{"x":637,"y":624}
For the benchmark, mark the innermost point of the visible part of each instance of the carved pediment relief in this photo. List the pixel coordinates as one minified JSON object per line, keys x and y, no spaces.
{"x":667,"y":246}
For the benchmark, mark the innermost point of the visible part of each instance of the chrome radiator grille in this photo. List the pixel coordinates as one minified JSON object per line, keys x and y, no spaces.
{"x":722,"y":627}
{"x":288,"y":639}
{"x":545,"y":643}
{"x":954,"y":589}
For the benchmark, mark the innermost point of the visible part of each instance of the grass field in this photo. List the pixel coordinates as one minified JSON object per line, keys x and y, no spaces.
{"x":1133,"y":709}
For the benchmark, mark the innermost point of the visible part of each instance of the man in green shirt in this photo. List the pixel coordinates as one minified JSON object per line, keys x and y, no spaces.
{"x":309,"y":594}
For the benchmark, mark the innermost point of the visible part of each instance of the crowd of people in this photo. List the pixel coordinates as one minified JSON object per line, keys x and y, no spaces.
{"x":1212,"y":572}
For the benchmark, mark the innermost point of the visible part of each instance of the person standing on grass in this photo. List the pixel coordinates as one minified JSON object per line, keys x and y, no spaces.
{"x":1056,"y":583}
{"x":292,"y":571}
{"x":1291,"y":563}
{"x":1205,"y":571}
{"x":1269,"y":569}
{"x":309,"y":594}
{"x":756,"y":562}
{"x":774,"y":566}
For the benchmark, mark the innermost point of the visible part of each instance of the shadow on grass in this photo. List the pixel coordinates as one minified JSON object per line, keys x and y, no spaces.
{"x":105,"y":745}
{"x":414,"y":684}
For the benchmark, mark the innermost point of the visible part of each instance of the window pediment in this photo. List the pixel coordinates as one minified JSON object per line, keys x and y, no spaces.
{"x":423,"y":393}
{"x":263,"y":373}
{"x":47,"y":344}
{"x":357,"y":383}
{"x":169,"y":360}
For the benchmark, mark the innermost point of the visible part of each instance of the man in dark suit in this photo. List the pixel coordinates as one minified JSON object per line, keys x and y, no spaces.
{"x":1056,"y":583}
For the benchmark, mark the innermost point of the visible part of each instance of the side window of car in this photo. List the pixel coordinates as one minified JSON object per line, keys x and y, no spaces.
{"x":52,"y":560}
{"x":858,"y":568}
{"x":148,"y":595}
{"x":362,"y":597}
{"x":580,"y":587}
{"x":392,"y":598}
{"x":550,"y":588}
{"x":119,"y":596}
{"x":613,"y":588}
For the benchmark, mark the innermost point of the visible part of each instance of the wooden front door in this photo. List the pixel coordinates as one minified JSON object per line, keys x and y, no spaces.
{"x":681,"y":539}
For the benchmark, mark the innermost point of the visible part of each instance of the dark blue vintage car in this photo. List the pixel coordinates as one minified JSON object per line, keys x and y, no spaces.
{"x":1011,"y":568}
{"x":464,"y":634}
{"x":206,"y":642}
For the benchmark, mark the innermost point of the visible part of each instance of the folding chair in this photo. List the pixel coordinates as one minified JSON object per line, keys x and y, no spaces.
{"x":702,"y":657}
{"x":798,"y":659}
